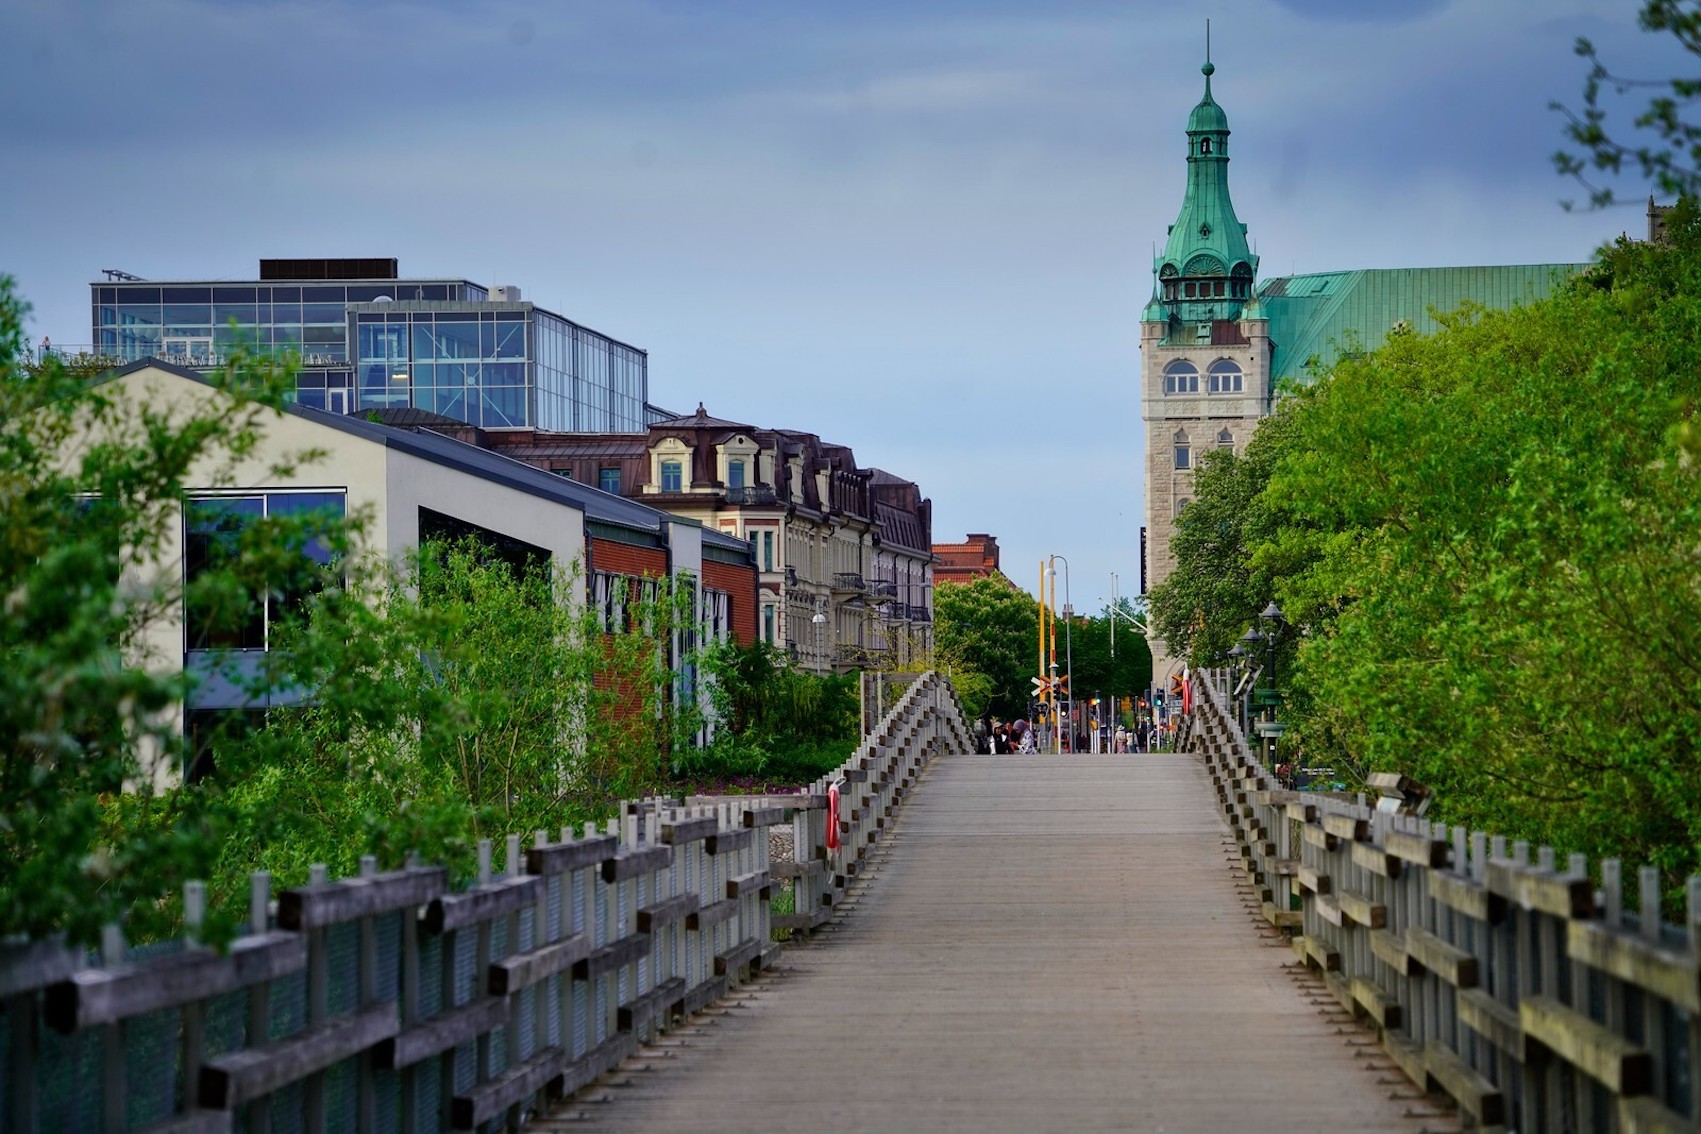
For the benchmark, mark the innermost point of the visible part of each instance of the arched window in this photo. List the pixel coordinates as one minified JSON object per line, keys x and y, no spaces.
{"x":1181,"y":377}
{"x":1225,"y":440}
{"x":1204,"y":145}
{"x":1183,"y":451}
{"x":1226,"y":377}
{"x":1181,"y":505}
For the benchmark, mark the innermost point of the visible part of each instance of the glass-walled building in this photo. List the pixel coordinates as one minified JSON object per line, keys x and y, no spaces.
{"x":449,"y":346}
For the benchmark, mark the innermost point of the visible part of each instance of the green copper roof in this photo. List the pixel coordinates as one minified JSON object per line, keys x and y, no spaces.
{"x":1315,"y":318}
{"x":1207,"y":239}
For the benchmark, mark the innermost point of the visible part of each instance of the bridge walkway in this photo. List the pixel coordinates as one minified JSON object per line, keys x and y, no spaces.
{"x":1042,"y":943}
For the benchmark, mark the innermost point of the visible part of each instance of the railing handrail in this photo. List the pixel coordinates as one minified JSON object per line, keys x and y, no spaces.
{"x":1512,"y":984}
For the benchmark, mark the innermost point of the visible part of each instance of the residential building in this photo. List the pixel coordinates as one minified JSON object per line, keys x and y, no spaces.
{"x":844,"y":553}
{"x":1217,"y":346}
{"x":368,"y":339}
{"x":413,"y":486}
{"x":975,"y":558}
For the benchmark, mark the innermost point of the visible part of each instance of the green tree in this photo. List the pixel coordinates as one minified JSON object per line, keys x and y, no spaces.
{"x":1096,"y":672}
{"x":993,"y":629}
{"x":90,"y":491}
{"x":1671,"y":157}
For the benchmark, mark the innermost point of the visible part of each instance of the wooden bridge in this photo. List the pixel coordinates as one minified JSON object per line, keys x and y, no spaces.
{"x":1151,"y":942}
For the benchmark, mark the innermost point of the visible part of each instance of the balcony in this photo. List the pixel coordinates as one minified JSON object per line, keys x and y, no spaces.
{"x":861,"y":657}
{"x":884,"y":589}
{"x":849,"y":582}
{"x":750,"y":495}
{"x":791,"y":576}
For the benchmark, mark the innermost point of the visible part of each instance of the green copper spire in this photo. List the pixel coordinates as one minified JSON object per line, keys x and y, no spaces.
{"x":1206,"y":270}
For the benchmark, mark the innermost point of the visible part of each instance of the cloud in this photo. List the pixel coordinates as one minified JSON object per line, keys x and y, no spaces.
{"x":1365,"y":11}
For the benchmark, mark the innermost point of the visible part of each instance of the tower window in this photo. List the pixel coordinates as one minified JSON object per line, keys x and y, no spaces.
{"x":1204,"y":145}
{"x":1226,"y":378}
{"x":1183,"y":451}
{"x":1192,"y":291}
{"x":1225,"y":440}
{"x":1181,"y":377}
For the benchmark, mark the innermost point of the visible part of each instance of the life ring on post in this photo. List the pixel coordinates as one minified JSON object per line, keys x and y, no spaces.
{"x":833,"y":817}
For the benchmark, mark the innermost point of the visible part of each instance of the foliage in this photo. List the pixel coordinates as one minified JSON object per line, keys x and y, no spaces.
{"x":1088,"y":640}
{"x":1486,"y":538}
{"x":1672,"y":160}
{"x":778,"y":723}
{"x":90,"y":490}
{"x":992,"y":629}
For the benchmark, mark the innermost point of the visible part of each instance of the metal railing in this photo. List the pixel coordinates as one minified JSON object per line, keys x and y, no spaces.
{"x":1534,"y":1000}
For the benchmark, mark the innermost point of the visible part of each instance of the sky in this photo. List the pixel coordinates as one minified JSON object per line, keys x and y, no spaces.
{"x":920,"y":228}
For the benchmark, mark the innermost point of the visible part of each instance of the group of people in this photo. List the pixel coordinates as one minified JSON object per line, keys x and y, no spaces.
{"x":1018,"y":737}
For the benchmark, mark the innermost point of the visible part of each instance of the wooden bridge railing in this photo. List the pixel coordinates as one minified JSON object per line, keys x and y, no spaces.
{"x":1532,"y":998}
{"x":392,"y":1002}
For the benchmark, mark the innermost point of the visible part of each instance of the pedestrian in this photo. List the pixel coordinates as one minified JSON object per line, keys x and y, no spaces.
{"x":1027,"y":745}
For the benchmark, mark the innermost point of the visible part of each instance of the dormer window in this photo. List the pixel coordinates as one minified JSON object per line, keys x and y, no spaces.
{"x":672,"y":476}
{"x":735,"y":474}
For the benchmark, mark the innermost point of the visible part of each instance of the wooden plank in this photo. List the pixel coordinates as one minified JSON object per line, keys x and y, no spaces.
{"x":1315,"y":881}
{"x":614,"y":955}
{"x":1339,"y":987}
{"x":1452,"y":964}
{"x":1318,"y":951}
{"x":682,"y":831}
{"x":1346,"y":827}
{"x":706,"y":993}
{"x":854,"y":775}
{"x":330,"y":903}
{"x":736,"y":958}
{"x":489,"y":1099}
{"x":1474,"y":1094}
{"x":1642,"y":1115}
{"x":1666,"y":973}
{"x":1544,"y":890}
{"x":787,"y":870}
{"x":597,"y":1062}
{"x":665,"y":912}
{"x":1495,"y":1022}
{"x":1376,"y":860}
{"x":523,"y":970}
{"x":659,"y":1001}
{"x":442,"y":1032}
{"x":93,"y":997}
{"x":1318,"y":837}
{"x":1420,"y":849}
{"x":482,"y":903}
{"x":766,"y":816}
{"x":801,"y":920}
{"x":1406,"y":1055}
{"x":1328,"y":909}
{"x":243,"y":1076}
{"x":1283,"y":919}
{"x":1302,"y":812}
{"x":194,"y":1122}
{"x":641,"y":860}
{"x":27,"y":966}
{"x":1469,"y":897}
{"x":1362,"y":910}
{"x":1390,"y":948}
{"x":1282,"y":867}
{"x":576,"y":854}
{"x":727,"y":842}
{"x":746,"y":884}
{"x":1592,"y":1048}
{"x":1379,"y":1005}
{"x":712,"y":914}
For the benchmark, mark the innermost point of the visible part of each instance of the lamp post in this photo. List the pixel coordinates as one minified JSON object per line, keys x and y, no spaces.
{"x":820,"y":620}
{"x":1068,"y":645}
{"x":1269,"y":698}
{"x":1238,"y":653}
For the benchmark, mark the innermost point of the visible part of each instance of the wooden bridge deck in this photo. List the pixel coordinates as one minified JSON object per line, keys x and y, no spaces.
{"x":1042,"y":944}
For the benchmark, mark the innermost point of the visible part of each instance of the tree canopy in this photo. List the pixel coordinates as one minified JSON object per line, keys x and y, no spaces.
{"x":993,"y":629}
{"x":1486,"y":540}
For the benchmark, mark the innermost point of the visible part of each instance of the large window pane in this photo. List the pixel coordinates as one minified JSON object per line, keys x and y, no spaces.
{"x":218,"y":612}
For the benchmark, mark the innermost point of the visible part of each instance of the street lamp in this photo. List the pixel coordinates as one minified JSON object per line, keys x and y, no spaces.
{"x":1238,"y":653}
{"x":820,"y":620}
{"x":1272,"y":728}
{"x":1068,"y":644}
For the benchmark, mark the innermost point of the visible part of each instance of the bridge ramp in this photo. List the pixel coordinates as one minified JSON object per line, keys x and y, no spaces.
{"x":1043,"y":943}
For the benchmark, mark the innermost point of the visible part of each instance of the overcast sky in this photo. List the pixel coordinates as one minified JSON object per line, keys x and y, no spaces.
{"x":920,"y":228}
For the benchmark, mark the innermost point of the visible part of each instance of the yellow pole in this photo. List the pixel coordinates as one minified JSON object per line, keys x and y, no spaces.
{"x":1056,"y":701}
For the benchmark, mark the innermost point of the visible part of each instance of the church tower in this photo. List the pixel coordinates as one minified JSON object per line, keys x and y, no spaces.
{"x":1204,"y":344}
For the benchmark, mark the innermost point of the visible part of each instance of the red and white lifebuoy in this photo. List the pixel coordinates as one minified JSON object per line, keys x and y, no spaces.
{"x":833,"y":817}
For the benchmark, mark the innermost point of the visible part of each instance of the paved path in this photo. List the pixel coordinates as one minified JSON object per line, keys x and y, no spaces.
{"x":1043,"y":943}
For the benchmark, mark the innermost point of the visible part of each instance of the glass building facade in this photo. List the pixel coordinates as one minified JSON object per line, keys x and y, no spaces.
{"x":438,"y":345}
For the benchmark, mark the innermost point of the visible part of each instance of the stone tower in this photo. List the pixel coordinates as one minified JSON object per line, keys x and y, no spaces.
{"x":1205,"y":347}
